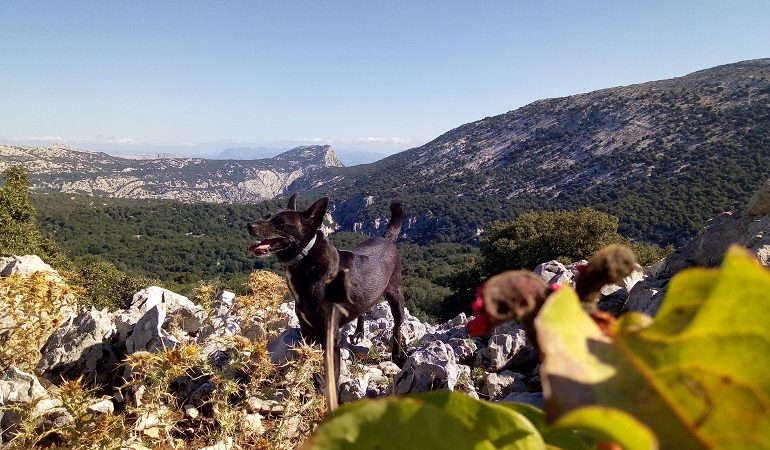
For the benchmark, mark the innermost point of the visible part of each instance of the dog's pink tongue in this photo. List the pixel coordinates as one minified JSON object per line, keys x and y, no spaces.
{"x":259,"y":248}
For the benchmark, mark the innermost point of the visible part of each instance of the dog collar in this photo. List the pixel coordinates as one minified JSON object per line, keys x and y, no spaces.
{"x":302,"y":253}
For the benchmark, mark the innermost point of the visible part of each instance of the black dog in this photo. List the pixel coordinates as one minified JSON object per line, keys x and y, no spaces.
{"x":321,"y":276}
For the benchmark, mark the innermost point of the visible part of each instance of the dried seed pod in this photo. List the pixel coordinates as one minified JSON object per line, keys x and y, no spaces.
{"x":607,"y":266}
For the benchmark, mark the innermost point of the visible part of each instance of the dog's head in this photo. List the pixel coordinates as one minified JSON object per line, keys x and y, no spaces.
{"x":287,"y":229}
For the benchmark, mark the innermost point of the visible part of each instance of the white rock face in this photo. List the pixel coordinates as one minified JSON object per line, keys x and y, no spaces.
{"x":499,"y":385}
{"x":148,"y":333}
{"x":23,"y":265}
{"x":238,"y":181}
{"x":431,"y":367}
{"x":186,"y":314}
{"x":81,"y":347}
{"x":502,"y":348}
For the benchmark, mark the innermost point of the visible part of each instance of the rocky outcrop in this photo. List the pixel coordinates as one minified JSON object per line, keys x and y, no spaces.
{"x":23,"y":265}
{"x":110,"y":352}
{"x":18,"y":389}
{"x":749,"y":228}
{"x":184,"y":179}
{"x":82,"y":347}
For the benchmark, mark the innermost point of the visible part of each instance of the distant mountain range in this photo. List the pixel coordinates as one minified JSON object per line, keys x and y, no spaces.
{"x":348,"y":157}
{"x":59,"y":168}
{"x":663,"y":156}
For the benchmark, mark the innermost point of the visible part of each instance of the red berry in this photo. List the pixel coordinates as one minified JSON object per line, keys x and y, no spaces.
{"x":479,"y":325}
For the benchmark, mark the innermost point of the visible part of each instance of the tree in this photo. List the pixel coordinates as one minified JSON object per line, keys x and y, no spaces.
{"x":17,"y":215}
{"x":19,"y":233}
{"x":536,"y":237}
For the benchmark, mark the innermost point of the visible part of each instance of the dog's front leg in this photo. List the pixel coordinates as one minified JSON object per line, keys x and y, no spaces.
{"x":358,"y":336}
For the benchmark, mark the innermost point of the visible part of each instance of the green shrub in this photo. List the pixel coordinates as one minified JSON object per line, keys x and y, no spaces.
{"x":21,"y":235}
{"x":104,"y":285}
{"x":536,"y":237}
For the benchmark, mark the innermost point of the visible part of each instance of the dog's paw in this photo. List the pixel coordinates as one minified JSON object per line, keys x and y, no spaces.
{"x":356,"y":338}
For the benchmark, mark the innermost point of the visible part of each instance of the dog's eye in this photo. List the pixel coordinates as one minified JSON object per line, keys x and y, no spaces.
{"x":278,"y":222}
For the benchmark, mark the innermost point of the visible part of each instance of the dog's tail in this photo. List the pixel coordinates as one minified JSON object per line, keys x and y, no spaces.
{"x":396,"y":220}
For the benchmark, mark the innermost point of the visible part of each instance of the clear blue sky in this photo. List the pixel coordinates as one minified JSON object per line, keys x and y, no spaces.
{"x":384,"y":75}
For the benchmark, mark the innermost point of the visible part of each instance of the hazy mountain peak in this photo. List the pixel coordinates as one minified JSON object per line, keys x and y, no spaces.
{"x":320,"y":155}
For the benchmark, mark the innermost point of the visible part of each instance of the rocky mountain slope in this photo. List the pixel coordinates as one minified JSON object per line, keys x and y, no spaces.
{"x":664,"y":156}
{"x":187,"y":179}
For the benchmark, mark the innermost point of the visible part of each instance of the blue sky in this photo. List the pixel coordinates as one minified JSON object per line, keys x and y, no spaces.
{"x":199,"y":76}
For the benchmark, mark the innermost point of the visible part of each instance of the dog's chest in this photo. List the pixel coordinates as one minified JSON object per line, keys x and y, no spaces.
{"x":302,"y":301}
{"x":291,"y":286}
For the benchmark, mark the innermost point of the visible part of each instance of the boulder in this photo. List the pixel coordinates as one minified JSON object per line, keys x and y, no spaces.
{"x":221,"y":322}
{"x":148,"y":333}
{"x":180,"y":310}
{"x":102,"y":407}
{"x":499,"y":385}
{"x":23,"y":266}
{"x":82,"y":346}
{"x":17,"y":389}
{"x":389,"y":368}
{"x":645,"y":297}
{"x":354,"y":383}
{"x":465,"y":349}
{"x":431,"y":367}
{"x":380,"y":311}
{"x":555,"y":272}
{"x":502,"y":348}
{"x":281,"y":348}
{"x":465,"y":382}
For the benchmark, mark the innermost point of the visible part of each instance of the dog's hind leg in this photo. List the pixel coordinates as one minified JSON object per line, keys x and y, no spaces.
{"x":395,"y":299}
{"x":358,"y":336}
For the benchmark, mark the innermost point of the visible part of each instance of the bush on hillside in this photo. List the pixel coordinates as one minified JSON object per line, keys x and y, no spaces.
{"x":104,"y":285}
{"x":536,"y":237}
{"x":20,"y":234}
{"x":31,"y":308}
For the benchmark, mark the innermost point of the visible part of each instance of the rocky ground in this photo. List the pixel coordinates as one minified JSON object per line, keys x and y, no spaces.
{"x":241,"y":360}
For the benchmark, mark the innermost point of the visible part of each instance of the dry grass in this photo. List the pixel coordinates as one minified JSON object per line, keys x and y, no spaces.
{"x":153,"y":415}
{"x":31,"y":308}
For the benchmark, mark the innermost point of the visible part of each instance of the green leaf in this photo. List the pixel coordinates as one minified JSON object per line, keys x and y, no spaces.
{"x":609,"y":424}
{"x":564,"y":438}
{"x":699,"y":375}
{"x":435,"y":420}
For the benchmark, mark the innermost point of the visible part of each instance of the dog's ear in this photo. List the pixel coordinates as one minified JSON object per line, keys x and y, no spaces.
{"x":292,"y":203}
{"x":317,"y":211}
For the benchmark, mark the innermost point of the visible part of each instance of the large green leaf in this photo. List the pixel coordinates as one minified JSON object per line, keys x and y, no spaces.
{"x":435,"y":420}
{"x":607,"y":424}
{"x":699,"y":375}
{"x":583,"y":428}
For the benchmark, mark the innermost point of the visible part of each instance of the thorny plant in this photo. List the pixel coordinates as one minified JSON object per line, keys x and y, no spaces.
{"x":157,"y":385}
{"x":31,"y":309}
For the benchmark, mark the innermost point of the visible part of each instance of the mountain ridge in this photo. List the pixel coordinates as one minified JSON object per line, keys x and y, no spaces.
{"x":664,"y":156}
{"x":59,"y":168}
{"x":702,"y":137}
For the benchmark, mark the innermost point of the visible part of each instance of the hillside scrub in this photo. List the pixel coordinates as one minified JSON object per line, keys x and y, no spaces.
{"x":534,"y":238}
{"x":98,"y":282}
